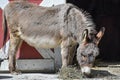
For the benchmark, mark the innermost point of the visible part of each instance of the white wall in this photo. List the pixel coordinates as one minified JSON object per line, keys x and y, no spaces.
{"x":3,"y":3}
{"x":49,"y":3}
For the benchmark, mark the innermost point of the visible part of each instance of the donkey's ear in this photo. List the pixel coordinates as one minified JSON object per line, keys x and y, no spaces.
{"x":100,"y":35}
{"x":85,"y":36}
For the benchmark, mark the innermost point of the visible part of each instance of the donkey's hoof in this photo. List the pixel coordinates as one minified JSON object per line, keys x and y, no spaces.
{"x":16,"y":72}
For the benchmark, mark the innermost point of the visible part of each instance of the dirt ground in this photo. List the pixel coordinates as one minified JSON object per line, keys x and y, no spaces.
{"x":103,"y":71}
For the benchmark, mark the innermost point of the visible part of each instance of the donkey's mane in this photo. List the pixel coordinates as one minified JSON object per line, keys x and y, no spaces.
{"x":88,"y":18}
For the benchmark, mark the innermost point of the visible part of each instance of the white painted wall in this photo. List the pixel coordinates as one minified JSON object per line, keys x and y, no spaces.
{"x":3,"y":3}
{"x":4,"y":51}
{"x":49,"y":3}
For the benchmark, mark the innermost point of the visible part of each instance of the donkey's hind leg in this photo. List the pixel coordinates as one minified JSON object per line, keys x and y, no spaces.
{"x":15,"y":42}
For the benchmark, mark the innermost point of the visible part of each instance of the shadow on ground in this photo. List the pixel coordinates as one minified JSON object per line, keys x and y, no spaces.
{"x":5,"y":77}
{"x":101,"y":74}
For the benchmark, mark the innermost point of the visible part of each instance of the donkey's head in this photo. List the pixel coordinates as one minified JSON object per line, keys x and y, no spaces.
{"x":88,"y":50}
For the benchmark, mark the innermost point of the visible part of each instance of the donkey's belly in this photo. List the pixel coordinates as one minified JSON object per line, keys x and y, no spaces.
{"x":42,"y":42}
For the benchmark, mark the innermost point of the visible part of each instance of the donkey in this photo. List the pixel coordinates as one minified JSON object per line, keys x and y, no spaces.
{"x":63,"y":25}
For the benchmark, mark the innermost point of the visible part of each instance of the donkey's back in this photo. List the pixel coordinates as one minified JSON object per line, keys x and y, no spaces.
{"x":38,"y":26}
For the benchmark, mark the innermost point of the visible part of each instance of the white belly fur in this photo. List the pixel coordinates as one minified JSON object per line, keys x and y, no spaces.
{"x":42,"y":42}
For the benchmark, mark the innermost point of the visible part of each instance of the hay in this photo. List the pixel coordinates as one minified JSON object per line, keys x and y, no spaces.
{"x":70,"y":73}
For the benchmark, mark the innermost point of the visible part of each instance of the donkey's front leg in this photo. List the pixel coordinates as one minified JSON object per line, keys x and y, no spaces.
{"x":14,"y":44}
{"x":64,"y":52}
{"x":72,"y":52}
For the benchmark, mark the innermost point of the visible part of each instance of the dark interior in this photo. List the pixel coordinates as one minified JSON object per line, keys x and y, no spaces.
{"x":105,"y":13}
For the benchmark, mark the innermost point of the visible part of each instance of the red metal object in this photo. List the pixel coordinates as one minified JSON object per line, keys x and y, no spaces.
{"x":32,"y":1}
{"x":36,"y":1}
{"x":1,"y":31}
{"x":28,"y":52}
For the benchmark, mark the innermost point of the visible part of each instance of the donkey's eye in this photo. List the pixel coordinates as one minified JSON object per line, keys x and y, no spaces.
{"x":83,"y":55}
{"x":91,"y":34}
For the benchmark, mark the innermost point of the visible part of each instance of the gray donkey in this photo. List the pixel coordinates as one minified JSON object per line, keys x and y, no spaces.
{"x":64,"y":25}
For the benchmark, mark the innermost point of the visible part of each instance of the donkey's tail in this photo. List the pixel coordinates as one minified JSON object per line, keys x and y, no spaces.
{"x":5,"y":28}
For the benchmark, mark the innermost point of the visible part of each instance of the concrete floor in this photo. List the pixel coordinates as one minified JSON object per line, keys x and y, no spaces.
{"x":100,"y":74}
{"x":109,"y":71}
{"x":29,"y":76}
